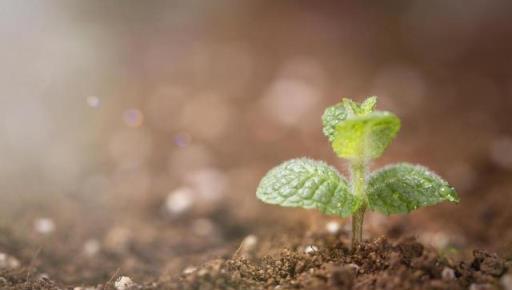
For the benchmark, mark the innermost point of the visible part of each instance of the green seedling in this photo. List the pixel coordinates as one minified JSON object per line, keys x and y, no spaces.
{"x":358,"y":134}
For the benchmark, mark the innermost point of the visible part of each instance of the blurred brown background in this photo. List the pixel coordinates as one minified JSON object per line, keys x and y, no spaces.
{"x":132,"y":114}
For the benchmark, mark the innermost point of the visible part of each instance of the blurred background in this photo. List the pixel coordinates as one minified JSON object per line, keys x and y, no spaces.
{"x":133,"y":134}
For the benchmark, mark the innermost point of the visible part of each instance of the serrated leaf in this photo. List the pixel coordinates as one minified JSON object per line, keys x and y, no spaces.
{"x":332,"y":116}
{"x":308,"y":183}
{"x":404,"y":187}
{"x":365,"y":137}
{"x":347,"y":108}
{"x":351,"y":107}
{"x":368,"y":105}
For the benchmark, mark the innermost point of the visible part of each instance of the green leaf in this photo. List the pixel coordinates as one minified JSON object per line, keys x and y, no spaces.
{"x":403,"y":187}
{"x":365,"y":137}
{"x":308,"y":183}
{"x":352,"y":107}
{"x":332,"y":116}
{"x":347,"y":108}
{"x":368,"y":105}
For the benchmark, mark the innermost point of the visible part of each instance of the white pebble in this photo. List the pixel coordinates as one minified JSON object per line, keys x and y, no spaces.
{"x":448,"y":273}
{"x":189,"y":270}
{"x":506,"y":281}
{"x":332,"y":227}
{"x":438,"y":240}
{"x":310,"y":249}
{"x":180,"y":200}
{"x":44,"y":226}
{"x":8,"y":262}
{"x":124,"y":283}
{"x":250,"y":241}
{"x":248,"y":244}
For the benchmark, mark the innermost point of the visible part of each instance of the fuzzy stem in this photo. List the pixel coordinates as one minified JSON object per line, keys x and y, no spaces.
{"x":357,"y":226}
{"x":358,"y":179}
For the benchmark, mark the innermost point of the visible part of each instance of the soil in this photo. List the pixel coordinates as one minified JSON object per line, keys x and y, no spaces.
{"x":317,"y":260}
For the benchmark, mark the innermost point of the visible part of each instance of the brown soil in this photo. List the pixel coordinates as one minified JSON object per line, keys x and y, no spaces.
{"x":317,"y":260}
{"x":377,"y":264}
{"x":226,"y":246}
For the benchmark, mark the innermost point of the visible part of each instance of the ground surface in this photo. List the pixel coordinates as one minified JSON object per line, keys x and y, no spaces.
{"x":220,"y":248}
{"x":320,"y":260}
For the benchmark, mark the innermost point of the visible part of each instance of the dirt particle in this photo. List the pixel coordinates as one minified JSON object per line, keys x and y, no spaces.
{"x":8,"y":262}
{"x":189,"y":270}
{"x":310,"y":249}
{"x":3,"y":281}
{"x":124,"y":283}
{"x":488,"y":263}
{"x":448,"y":273}
{"x":410,"y":249}
{"x":248,"y":245}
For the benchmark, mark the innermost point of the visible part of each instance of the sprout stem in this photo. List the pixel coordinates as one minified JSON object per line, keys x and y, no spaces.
{"x":358,"y":179}
{"x":357,"y":226}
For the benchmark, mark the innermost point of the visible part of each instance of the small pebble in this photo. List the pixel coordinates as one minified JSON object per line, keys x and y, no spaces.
{"x":202,"y":272}
{"x":310,"y":249}
{"x":248,"y":245}
{"x":189,"y":270}
{"x":124,"y":283}
{"x":3,"y":281}
{"x":448,"y":273}
{"x":44,"y":226}
{"x":332,"y":227}
{"x":506,"y":281}
{"x":180,"y":200}
{"x":8,"y":262}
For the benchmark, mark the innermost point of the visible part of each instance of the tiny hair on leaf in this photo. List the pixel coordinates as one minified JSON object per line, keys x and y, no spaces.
{"x":402,"y":188}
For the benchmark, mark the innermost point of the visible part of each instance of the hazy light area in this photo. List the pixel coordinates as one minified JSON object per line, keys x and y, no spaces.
{"x":99,"y":91}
